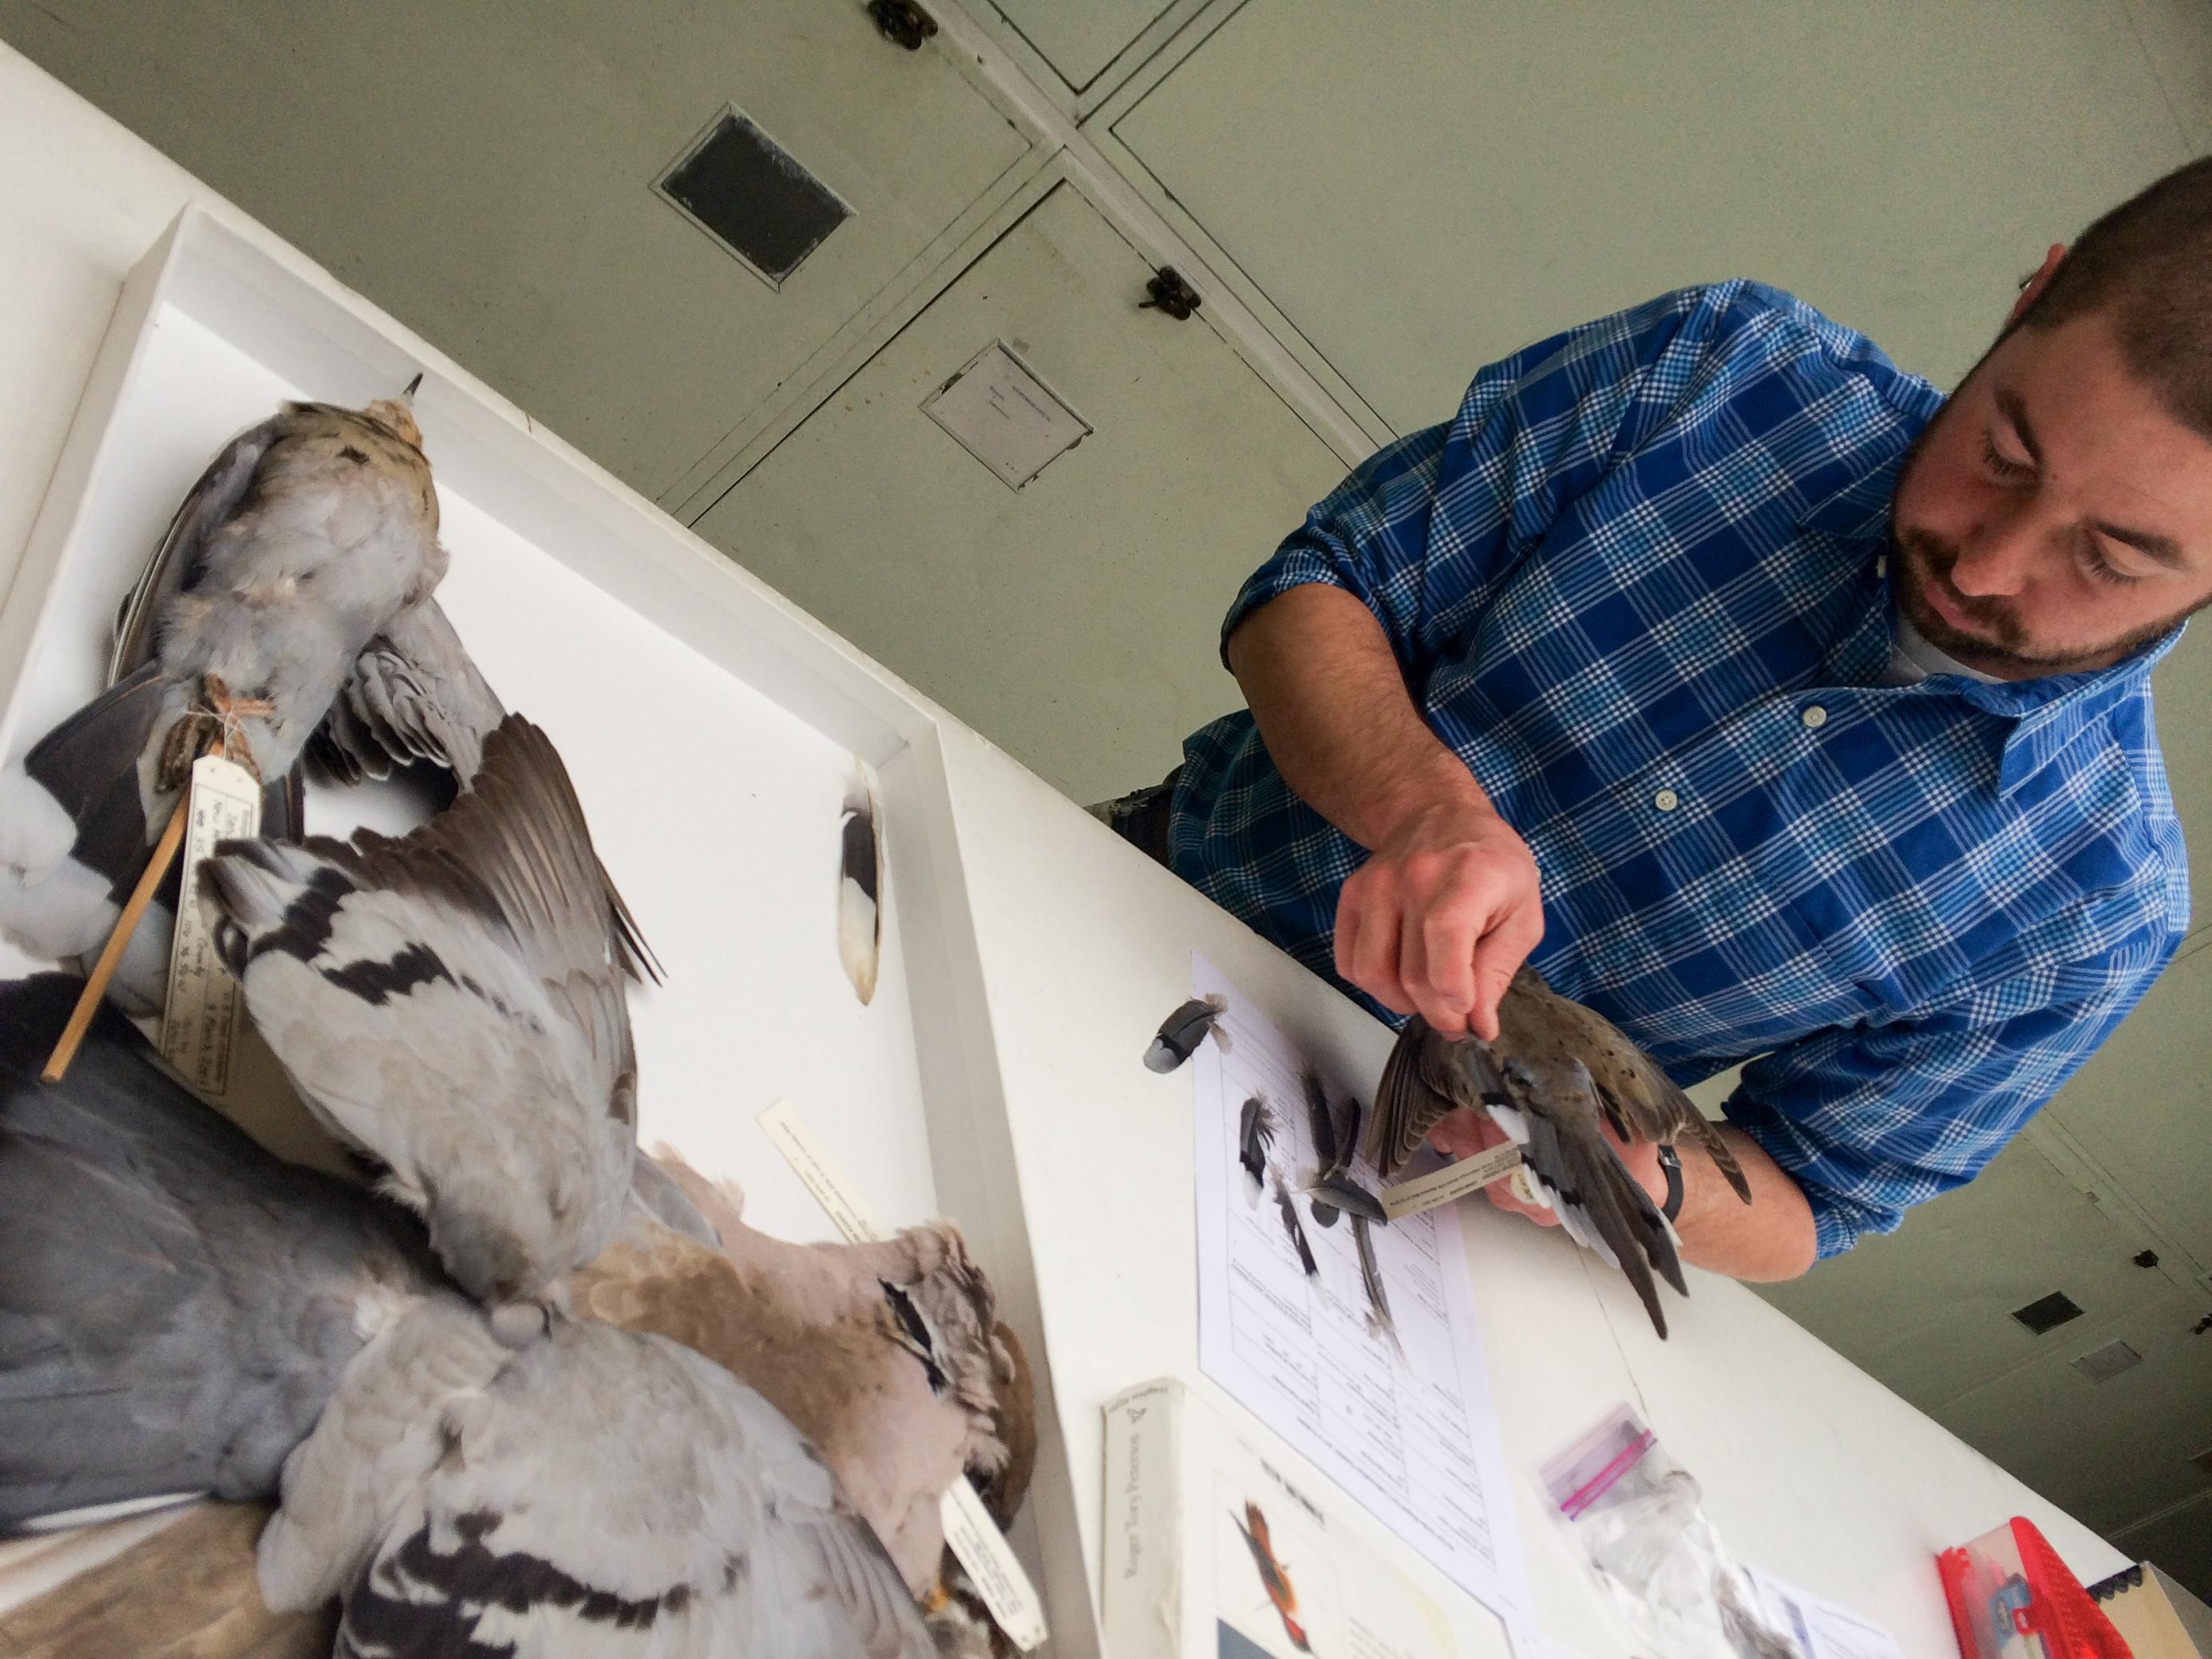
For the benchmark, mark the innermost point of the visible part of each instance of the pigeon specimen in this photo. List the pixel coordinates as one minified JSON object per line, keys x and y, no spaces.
{"x":412,"y":696}
{"x":302,"y":540}
{"x":590,"y":1492}
{"x":1274,"y":1577}
{"x":1182,"y":1031}
{"x":1558,"y":1074}
{"x":888,"y":1356}
{"x":451,"y":1004}
{"x":1256,"y":1134}
{"x":860,"y":887}
{"x":175,"y":1304}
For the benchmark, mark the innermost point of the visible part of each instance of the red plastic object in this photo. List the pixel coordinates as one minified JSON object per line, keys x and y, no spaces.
{"x":2012,"y":1598}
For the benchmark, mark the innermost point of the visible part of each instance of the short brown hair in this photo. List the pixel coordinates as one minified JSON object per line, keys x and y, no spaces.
{"x":2148,"y":265}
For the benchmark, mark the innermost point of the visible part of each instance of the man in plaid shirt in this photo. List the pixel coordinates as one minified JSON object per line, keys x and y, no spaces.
{"x":1767,"y":701}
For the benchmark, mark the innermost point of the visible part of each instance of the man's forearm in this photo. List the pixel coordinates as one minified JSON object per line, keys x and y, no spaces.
{"x":1770,"y":1239}
{"x":1333,"y":710}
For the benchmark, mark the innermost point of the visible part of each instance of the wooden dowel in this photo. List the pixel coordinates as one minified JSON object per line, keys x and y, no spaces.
{"x":95,"y":987}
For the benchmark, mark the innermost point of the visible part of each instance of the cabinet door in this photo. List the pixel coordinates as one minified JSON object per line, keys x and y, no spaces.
{"x":1424,"y":186}
{"x":487,"y":174}
{"x":1072,"y":620}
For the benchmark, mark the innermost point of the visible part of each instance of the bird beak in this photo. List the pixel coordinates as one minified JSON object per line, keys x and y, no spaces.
{"x":409,"y":393}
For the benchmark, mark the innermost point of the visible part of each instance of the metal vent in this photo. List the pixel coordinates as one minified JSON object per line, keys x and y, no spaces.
{"x":2047,"y":1313}
{"x":746,"y":191}
{"x":2103,"y":1364}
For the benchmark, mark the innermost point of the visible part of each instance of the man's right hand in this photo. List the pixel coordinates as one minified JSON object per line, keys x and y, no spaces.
{"x":1439,"y":919}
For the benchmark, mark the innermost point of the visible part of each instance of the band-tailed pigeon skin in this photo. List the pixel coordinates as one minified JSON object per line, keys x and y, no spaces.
{"x":1558,"y":1072}
{"x":175,"y":1303}
{"x":888,"y":1357}
{"x":301,"y":541}
{"x":593,"y":1492}
{"x":452,"y":1004}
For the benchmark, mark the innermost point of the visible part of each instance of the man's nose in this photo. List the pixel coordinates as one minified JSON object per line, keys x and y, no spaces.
{"x":1997,"y":560}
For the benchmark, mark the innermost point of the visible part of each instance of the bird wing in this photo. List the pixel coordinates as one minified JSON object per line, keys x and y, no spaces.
{"x":1640,"y":1101}
{"x":180,"y":555}
{"x":603,"y":1482}
{"x":1420,"y":1083}
{"x":413,"y":694}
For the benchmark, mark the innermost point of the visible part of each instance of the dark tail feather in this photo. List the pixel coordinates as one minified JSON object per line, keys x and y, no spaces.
{"x":89,"y":765}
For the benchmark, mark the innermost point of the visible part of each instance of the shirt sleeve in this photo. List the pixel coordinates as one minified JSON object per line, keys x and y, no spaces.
{"x":1420,"y":531}
{"x":1870,"y":1121}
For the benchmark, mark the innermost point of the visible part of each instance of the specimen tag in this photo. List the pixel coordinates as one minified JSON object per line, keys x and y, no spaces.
{"x":205,"y":1008}
{"x":969,"y":1528}
{"x":1454,"y":1181}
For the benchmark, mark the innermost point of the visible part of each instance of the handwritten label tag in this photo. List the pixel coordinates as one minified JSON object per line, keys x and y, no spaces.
{"x":204,"y":1011}
{"x":969,"y":1528}
{"x":1455,"y":1180}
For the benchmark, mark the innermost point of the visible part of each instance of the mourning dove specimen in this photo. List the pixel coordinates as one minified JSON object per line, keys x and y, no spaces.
{"x":1558,"y":1073}
{"x":301,"y":541}
{"x":889,"y":1356}
{"x":175,"y":1304}
{"x":592,"y":1492}
{"x":451,"y":1004}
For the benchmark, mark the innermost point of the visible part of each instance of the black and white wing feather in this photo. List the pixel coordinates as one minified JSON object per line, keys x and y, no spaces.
{"x":598,"y":1493}
{"x":452,"y":1004}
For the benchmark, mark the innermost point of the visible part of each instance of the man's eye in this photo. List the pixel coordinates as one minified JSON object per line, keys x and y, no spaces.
{"x":2101,"y":568}
{"x":2010,"y":471}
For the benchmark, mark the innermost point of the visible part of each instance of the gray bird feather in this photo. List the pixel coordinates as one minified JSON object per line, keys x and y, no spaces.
{"x":1557,"y":1074}
{"x":1293,"y":1228}
{"x":298,"y":544}
{"x":1370,"y":1276}
{"x":1334,"y":1188}
{"x":1256,"y":1134}
{"x":175,"y":1304}
{"x":1182,"y":1031}
{"x":597,"y":1493}
{"x":1321,"y":1118}
{"x":451,"y":1003}
{"x":859,"y":891}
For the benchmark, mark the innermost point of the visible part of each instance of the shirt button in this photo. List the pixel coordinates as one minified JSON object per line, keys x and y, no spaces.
{"x":1815,"y":716}
{"x":1881,"y":565}
{"x":1666,"y":800}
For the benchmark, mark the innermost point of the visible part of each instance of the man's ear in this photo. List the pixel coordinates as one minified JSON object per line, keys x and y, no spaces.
{"x":2033,"y":287}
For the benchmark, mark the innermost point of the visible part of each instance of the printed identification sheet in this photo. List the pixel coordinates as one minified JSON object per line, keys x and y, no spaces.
{"x":1398,"y":1413}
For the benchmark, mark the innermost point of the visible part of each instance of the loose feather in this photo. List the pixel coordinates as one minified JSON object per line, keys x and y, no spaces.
{"x":1323,"y":1122}
{"x":860,"y":885}
{"x":1294,"y":1228}
{"x":1256,"y":1134}
{"x":1370,"y":1275}
{"x":1182,"y":1031}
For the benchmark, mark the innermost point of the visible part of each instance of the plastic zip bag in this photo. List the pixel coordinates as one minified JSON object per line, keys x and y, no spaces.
{"x":1638,"y":1515}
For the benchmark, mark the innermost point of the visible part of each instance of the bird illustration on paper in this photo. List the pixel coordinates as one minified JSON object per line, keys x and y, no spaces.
{"x":1558,"y":1074}
{"x":1274,"y":1577}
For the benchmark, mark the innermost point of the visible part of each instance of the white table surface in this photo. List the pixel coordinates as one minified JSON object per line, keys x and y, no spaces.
{"x":1811,"y":1470}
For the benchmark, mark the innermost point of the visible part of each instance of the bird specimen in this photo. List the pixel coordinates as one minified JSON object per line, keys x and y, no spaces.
{"x":1274,"y":1577}
{"x":888,"y":1357}
{"x":1182,"y":1031}
{"x":1557,"y":1075}
{"x":412,"y":696}
{"x":589,"y":1492}
{"x":859,"y":885}
{"x":1256,"y":1134}
{"x":175,"y":1304}
{"x":301,"y":541}
{"x":451,"y":1004}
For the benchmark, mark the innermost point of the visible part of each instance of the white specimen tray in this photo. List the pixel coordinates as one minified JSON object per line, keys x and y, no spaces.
{"x":711,"y":728}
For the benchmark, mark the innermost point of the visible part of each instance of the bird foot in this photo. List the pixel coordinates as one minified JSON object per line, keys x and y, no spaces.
{"x":212,"y":725}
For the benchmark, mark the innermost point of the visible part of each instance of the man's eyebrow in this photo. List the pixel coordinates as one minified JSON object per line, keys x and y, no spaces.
{"x":2009,"y":405}
{"x":2162,"y":549}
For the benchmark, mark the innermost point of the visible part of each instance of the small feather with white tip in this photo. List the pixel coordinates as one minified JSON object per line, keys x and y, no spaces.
{"x":1296,"y":1229}
{"x":1182,"y":1031}
{"x":1256,"y":1134}
{"x":1370,"y":1274}
{"x":859,"y":891}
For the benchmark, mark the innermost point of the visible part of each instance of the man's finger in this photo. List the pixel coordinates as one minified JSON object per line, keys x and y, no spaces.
{"x":1374,"y":958}
{"x":1448,"y":935}
{"x":1498,"y":957}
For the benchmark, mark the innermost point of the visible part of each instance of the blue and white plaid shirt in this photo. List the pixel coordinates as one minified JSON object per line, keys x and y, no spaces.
{"x":1640,"y":583}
